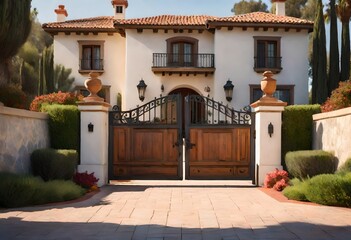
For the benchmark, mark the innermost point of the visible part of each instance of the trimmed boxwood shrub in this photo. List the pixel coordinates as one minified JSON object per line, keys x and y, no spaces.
{"x":23,"y":190}
{"x":330,"y":189}
{"x":304,"y":164}
{"x":52,"y":164}
{"x":63,"y":126}
{"x":297,"y":128}
{"x":346,"y":167}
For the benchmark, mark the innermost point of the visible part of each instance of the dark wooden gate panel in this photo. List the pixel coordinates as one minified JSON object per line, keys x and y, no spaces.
{"x":145,"y":142}
{"x":219,"y":144}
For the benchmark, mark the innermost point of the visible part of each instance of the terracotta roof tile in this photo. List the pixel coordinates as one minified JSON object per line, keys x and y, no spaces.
{"x":95,"y":23}
{"x":166,"y":20}
{"x":261,"y":17}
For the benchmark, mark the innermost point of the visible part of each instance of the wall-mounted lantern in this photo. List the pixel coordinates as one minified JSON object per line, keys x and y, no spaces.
{"x":162,"y":88}
{"x":270,"y":129}
{"x":228,"y":90}
{"x":141,"y":89}
{"x":90,"y":127}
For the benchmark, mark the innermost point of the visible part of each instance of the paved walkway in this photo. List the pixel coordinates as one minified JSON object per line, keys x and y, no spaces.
{"x":133,"y":211}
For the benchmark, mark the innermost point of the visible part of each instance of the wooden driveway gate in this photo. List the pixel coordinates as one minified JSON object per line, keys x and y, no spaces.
{"x":147,"y":142}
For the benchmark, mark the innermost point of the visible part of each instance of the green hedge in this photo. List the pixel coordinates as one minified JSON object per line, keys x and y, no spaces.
{"x":63,"y":126}
{"x":52,"y":164}
{"x":297,"y":128}
{"x":346,"y":167}
{"x":305,"y":164}
{"x":21,"y":190}
{"x":326,"y":189}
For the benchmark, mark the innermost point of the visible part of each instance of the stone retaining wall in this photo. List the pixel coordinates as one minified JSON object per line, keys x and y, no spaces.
{"x":332,"y":131}
{"x":21,"y":132}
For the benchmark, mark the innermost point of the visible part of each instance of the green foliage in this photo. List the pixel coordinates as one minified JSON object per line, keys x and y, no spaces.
{"x":246,"y":6}
{"x":21,"y":190}
{"x":296,"y":191}
{"x":330,"y":189}
{"x":319,"y":59}
{"x":63,"y":82}
{"x":343,"y":10}
{"x":334,"y":73}
{"x":297,"y":119}
{"x":46,"y":72}
{"x":64,"y":98}
{"x":15,"y":25}
{"x":12,"y":96}
{"x":51,"y":164}
{"x":63,"y":126}
{"x":340,"y":97}
{"x":345,"y":168}
{"x":304,"y":164}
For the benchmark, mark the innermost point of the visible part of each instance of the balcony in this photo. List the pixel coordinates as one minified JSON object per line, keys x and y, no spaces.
{"x":183,"y":63}
{"x":263,"y":64}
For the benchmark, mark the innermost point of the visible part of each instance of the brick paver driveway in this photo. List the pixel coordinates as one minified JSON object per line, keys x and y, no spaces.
{"x":177,"y":212}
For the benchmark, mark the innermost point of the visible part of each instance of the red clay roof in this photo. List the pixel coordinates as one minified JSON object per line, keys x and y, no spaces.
{"x":261,"y":17}
{"x":166,"y":20}
{"x":195,"y":21}
{"x":95,"y":23}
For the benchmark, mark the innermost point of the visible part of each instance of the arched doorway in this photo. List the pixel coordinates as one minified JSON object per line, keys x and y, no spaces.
{"x":197,"y":112}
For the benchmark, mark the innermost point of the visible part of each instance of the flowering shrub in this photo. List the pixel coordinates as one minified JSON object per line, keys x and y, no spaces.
{"x":278,"y":180}
{"x":340,"y":98}
{"x":12,"y":96}
{"x":86,"y":180}
{"x":65,"y":98}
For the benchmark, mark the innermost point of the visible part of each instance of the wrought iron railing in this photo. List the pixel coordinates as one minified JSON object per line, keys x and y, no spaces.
{"x":206,"y":111}
{"x":160,"y":111}
{"x":91,"y":64}
{"x":268,"y":62}
{"x":203,"y":60}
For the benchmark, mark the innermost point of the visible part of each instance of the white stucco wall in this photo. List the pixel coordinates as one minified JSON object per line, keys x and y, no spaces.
{"x":235,"y":60}
{"x":140,"y":48}
{"x":331,"y":132}
{"x":66,"y":52}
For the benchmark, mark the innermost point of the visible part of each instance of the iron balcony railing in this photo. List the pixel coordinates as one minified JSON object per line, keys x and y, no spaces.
{"x":268,"y":62}
{"x":169,"y":60}
{"x":92,"y":64}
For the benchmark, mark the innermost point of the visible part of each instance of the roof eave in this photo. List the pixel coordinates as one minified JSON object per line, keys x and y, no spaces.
{"x":99,"y":30}
{"x":307,"y":26}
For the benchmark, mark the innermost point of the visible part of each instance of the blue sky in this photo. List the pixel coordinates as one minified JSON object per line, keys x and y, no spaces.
{"x":137,"y":8}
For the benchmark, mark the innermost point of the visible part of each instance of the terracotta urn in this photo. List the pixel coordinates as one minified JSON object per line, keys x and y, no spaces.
{"x":268,"y":84}
{"x":93,"y":85}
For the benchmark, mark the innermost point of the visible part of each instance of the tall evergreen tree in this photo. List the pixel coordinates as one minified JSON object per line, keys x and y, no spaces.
{"x":319,"y":65}
{"x":334,"y":74}
{"x":15,"y":25}
{"x":343,"y":10}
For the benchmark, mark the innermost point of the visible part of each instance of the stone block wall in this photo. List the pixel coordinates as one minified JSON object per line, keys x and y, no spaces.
{"x":332,"y":131}
{"x":21,"y":132}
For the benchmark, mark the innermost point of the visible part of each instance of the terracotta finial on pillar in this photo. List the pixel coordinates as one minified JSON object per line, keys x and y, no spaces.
{"x":93,"y":85}
{"x":268,"y":87}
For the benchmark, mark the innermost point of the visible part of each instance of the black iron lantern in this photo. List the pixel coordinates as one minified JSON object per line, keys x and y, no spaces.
{"x":141,"y":89}
{"x":90,"y":127}
{"x":228,"y":90}
{"x":270,"y":129}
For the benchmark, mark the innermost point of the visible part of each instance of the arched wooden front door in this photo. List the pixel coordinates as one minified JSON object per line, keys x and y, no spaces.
{"x":187,"y":92}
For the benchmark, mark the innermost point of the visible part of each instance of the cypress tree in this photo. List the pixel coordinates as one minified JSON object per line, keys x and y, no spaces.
{"x":343,"y":10}
{"x":334,"y":74}
{"x":15,"y":25}
{"x":319,"y":66}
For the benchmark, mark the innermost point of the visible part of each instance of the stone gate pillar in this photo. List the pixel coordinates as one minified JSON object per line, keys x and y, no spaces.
{"x":94,"y":132}
{"x":268,"y":121}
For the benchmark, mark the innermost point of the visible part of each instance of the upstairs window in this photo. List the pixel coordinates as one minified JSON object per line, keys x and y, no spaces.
{"x":91,"y":56}
{"x":267,"y":54}
{"x":284,"y":93}
{"x":182,"y":51}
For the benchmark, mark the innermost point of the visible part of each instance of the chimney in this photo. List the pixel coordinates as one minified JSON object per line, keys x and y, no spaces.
{"x":61,"y":13}
{"x":119,"y":7}
{"x":279,"y":7}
